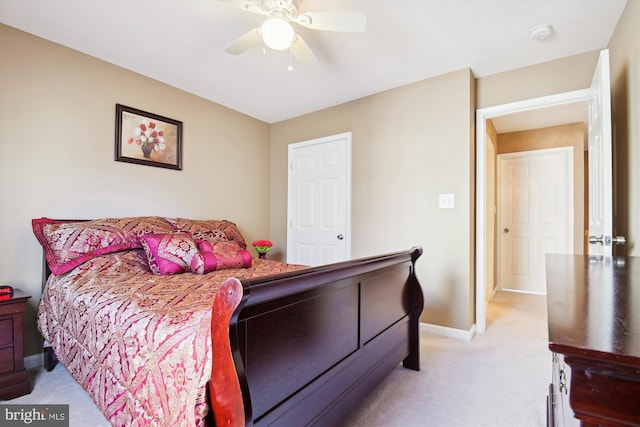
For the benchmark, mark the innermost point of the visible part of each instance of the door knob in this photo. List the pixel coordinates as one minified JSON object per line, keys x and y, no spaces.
{"x":505,"y":231}
{"x":340,"y":237}
{"x":619,"y":240}
{"x":596,"y":239}
{"x":607,"y":240}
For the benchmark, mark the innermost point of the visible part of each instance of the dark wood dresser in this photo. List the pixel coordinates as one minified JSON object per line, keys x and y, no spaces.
{"x":14,"y":379}
{"x":593,"y":306}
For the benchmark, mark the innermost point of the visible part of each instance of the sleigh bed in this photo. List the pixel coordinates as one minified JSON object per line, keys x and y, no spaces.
{"x":260,"y":344}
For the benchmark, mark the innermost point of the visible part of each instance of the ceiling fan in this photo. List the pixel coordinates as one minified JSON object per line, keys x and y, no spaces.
{"x":277,"y":32}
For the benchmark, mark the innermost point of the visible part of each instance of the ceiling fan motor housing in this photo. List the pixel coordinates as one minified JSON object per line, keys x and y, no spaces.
{"x":288,"y":9}
{"x":277,"y":32}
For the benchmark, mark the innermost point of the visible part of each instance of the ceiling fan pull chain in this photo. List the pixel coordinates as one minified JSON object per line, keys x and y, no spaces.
{"x":290,"y":67}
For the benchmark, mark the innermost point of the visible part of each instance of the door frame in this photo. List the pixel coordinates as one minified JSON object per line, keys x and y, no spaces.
{"x":347,"y":136}
{"x":482,"y":115}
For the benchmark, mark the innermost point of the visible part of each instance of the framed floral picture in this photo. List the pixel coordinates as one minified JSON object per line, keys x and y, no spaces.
{"x":147,"y":139}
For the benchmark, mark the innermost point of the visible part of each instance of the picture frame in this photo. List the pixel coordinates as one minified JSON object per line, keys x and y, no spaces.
{"x":147,"y":139}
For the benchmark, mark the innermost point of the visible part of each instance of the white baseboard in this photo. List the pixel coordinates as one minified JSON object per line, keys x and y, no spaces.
{"x":34,"y":361}
{"x":445,"y":331}
{"x":518,"y":291}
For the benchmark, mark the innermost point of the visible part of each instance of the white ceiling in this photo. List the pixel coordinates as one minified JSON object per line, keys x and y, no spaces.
{"x":181,"y":43}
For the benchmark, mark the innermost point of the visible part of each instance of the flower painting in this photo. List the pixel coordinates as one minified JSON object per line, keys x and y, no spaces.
{"x":147,"y":139}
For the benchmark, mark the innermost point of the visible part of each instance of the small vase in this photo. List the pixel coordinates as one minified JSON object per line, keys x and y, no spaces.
{"x":262,"y":255}
{"x":146,"y":151}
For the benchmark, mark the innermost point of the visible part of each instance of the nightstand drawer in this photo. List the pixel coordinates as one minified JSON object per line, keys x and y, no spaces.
{"x":6,"y":360}
{"x":6,"y":332}
{"x":14,"y":379}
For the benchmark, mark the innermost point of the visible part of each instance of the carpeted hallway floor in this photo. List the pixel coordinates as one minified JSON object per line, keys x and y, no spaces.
{"x":498,"y":379}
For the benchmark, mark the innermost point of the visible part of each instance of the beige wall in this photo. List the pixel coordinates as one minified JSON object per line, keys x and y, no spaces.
{"x":571,"y":135}
{"x":624,"y":54}
{"x":57,"y":110}
{"x":548,"y":78}
{"x":409,"y":145}
{"x":575,"y":72}
{"x":386,"y":128}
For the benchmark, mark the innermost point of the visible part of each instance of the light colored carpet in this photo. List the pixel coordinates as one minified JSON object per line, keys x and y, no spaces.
{"x":59,"y":387}
{"x":498,"y":379}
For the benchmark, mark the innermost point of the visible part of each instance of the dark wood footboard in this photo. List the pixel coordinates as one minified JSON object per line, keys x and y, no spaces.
{"x":309,"y":345}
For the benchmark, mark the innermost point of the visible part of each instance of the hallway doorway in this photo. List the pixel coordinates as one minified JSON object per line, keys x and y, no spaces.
{"x":529,"y":113}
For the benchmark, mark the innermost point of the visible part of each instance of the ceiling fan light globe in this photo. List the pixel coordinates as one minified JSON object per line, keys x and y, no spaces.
{"x":277,"y":33}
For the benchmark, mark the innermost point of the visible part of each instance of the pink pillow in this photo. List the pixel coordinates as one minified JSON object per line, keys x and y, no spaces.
{"x":69,"y":244}
{"x":169,"y":253}
{"x":203,"y":263}
{"x":204,"y":246}
{"x":219,"y":256}
{"x":212,"y":230}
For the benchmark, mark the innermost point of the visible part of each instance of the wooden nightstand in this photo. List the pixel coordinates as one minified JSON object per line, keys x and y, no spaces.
{"x":14,"y":379}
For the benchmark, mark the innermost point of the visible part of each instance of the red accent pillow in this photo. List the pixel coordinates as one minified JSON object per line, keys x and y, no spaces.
{"x":169,"y":253}
{"x":69,"y":244}
{"x":219,"y":256}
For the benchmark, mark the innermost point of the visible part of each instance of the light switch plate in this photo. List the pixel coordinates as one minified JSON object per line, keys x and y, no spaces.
{"x":447,"y":201}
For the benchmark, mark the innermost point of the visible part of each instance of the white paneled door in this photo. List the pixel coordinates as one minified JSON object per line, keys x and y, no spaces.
{"x":319,"y":197}
{"x":601,"y":239}
{"x":535,"y":215}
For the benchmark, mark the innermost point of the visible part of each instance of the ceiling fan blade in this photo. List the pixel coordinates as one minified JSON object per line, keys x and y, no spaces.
{"x":244,"y":42}
{"x":245,"y":5}
{"x":349,"y":22}
{"x":302,"y":52}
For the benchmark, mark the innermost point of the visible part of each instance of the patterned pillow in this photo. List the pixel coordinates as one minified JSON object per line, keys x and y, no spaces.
{"x":203,"y":263}
{"x":69,"y":244}
{"x":169,"y":253}
{"x":219,"y":256}
{"x":211,"y":230}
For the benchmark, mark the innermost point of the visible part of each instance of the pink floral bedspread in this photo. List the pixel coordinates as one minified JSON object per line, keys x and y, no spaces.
{"x":138,"y":343}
